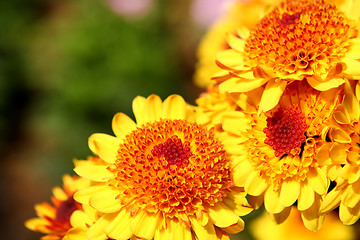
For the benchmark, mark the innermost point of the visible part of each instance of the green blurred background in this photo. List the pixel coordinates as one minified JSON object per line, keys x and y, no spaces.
{"x":66,"y":67}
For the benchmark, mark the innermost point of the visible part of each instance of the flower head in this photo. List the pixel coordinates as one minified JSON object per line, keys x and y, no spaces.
{"x":275,"y":154}
{"x":215,"y":38}
{"x":341,"y":155}
{"x":310,"y":40}
{"x":164,"y":176}
{"x":54,"y":220}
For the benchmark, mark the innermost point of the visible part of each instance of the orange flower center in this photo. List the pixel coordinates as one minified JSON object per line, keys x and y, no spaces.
{"x":305,"y":36}
{"x":173,"y":150}
{"x":285,"y":130}
{"x":173,"y":166}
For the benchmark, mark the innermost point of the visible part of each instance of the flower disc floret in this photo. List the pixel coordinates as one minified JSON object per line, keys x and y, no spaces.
{"x":177,"y":171}
{"x":306,"y":36}
{"x":285,"y":130}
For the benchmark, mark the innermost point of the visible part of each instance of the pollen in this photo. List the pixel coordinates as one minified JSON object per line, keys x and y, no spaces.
{"x":173,"y":166}
{"x":300,"y":36}
{"x":285,"y":130}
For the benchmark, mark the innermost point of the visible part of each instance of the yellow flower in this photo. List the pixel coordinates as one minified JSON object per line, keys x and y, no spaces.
{"x":54,"y":220}
{"x":212,"y":105}
{"x":312,"y":40}
{"x":342,"y":157}
{"x":239,"y":14}
{"x":275,"y":154}
{"x":293,"y":229}
{"x":165,"y":177}
{"x":81,"y":221}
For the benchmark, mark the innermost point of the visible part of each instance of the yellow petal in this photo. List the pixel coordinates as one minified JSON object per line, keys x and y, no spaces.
{"x":331,"y":201}
{"x":351,"y":103}
{"x":350,"y":8}
{"x":350,"y":172}
{"x":340,"y":116}
{"x":98,"y":173}
{"x":106,"y":201}
{"x":122,"y":125}
{"x":203,"y":232}
{"x":281,"y":216}
{"x":119,"y":226}
{"x":317,"y":180}
{"x":221,"y":215}
{"x":174,"y":230}
{"x":144,"y":224}
{"x":80,"y":220}
{"x":349,"y":216}
{"x":323,"y":156}
{"x":289,"y":192}
{"x":229,"y":57}
{"x":236,"y":85}
{"x":233,"y":229}
{"x":83,"y":195}
{"x":256,"y":201}
{"x":243,"y":32}
{"x":138,"y":106}
{"x":255,"y":185}
{"x":96,"y":231}
{"x":272,"y":201}
{"x":352,"y":198}
{"x":241,"y":173}
{"x":59,"y":193}
{"x":271,"y":95}
{"x":311,"y":217}
{"x":306,"y":196}
{"x":236,"y":123}
{"x":357,"y":90}
{"x":153,"y":108}
{"x":105,"y":146}
{"x":336,"y":70}
{"x":353,"y":66}
{"x":339,"y":135}
{"x":174,"y":107}
{"x":75,"y":234}
{"x":38,"y":224}
{"x":338,"y":153}
{"x":324,"y":85}
{"x":236,"y":43}
{"x":264,"y":72}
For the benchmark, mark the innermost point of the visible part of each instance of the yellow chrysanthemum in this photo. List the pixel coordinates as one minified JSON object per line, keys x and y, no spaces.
{"x":293,"y":229}
{"x":275,"y":154}
{"x":54,"y":220}
{"x":165,"y":177}
{"x":241,"y":13}
{"x":312,"y":40}
{"x":342,"y":155}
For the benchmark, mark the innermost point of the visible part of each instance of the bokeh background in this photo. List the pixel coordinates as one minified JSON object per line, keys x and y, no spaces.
{"x":66,"y":67}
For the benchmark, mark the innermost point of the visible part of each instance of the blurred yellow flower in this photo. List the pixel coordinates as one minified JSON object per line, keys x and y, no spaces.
{"x":312,"y":40}
{"x":165,"y":177}
{"x":264,"y":228}
{"x":212,"y":105}
{"x":54,"y":220}
{"x":274,"y":155}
